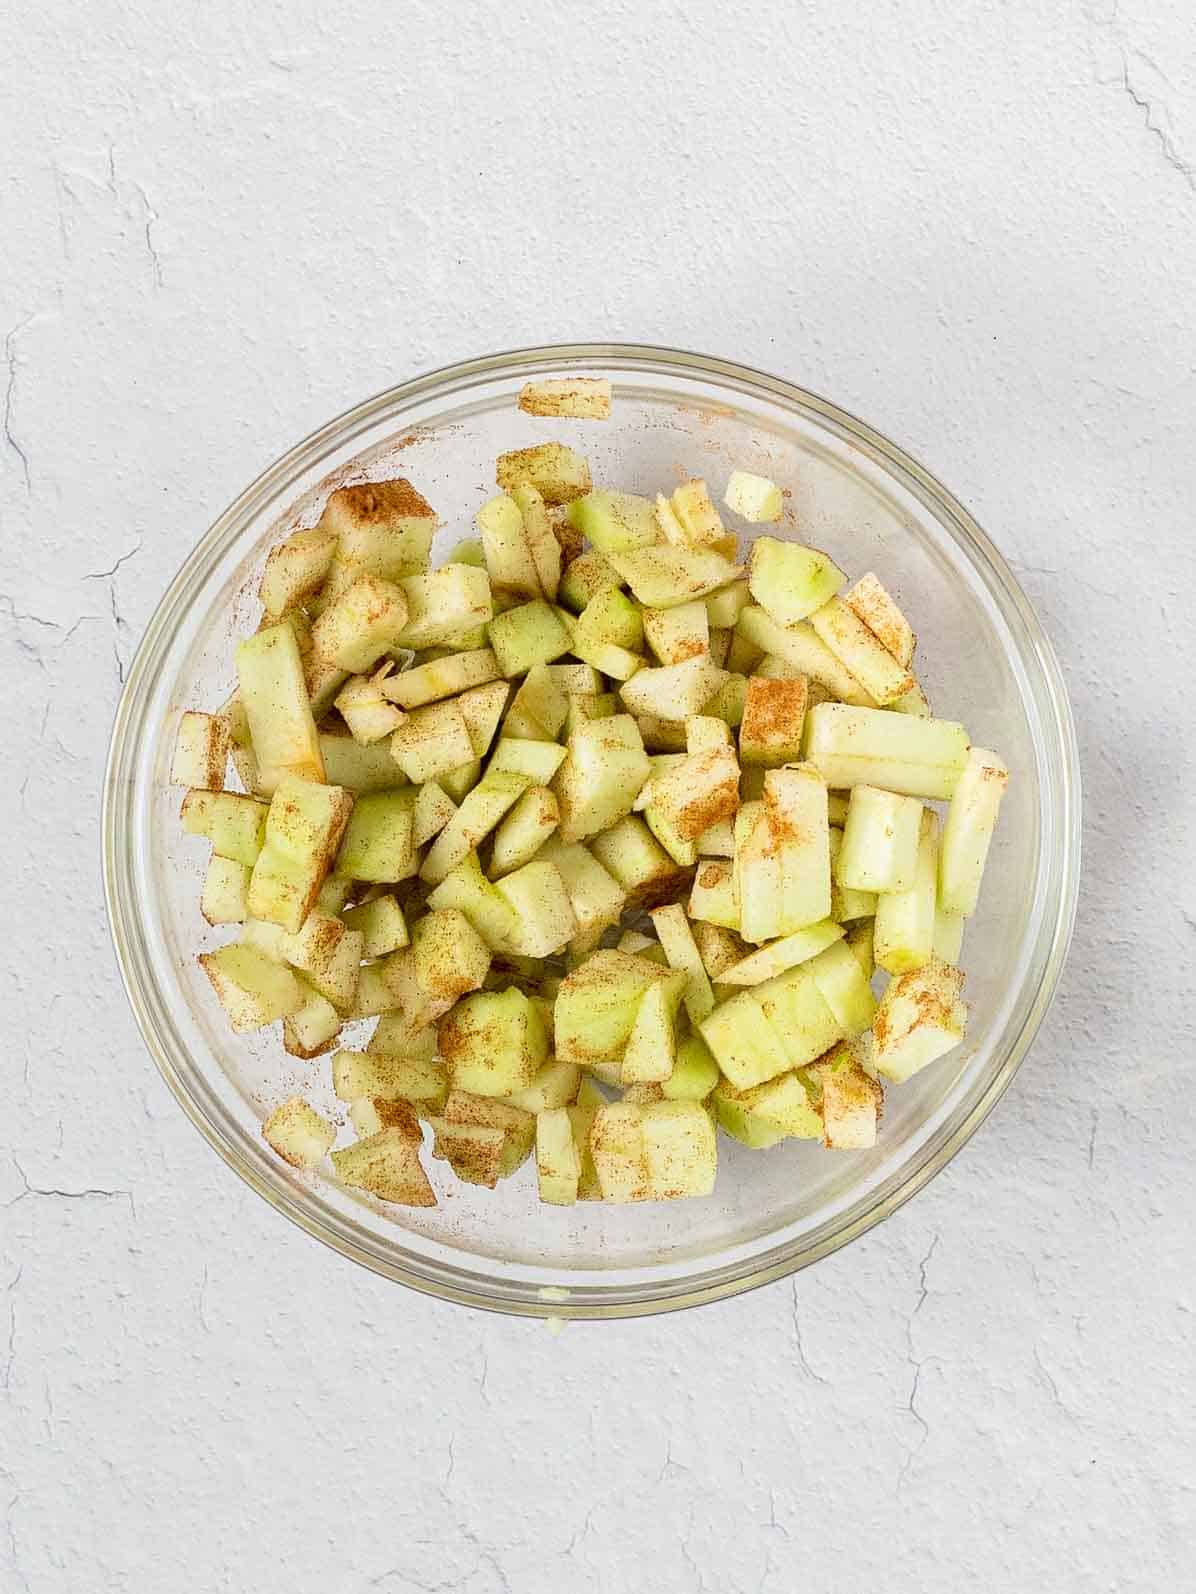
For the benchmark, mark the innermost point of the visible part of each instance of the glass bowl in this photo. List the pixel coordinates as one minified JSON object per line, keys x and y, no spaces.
{"x":983,"y":659}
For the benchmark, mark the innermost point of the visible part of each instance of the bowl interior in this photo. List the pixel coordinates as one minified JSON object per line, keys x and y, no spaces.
{"x":980,"y":660}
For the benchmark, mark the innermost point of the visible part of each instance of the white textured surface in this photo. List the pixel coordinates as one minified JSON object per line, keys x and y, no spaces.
{"x":971,"y":223}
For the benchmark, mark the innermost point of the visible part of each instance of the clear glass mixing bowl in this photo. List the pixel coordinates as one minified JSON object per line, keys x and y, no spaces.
{"x":983,"y":658}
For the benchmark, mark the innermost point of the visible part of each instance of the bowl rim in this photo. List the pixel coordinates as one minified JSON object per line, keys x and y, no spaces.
{"x":466,"y":1286}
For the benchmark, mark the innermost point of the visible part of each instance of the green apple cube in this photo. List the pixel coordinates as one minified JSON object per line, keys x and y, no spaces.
{"x":619,"y":1153}
{"x":440,"y":678}
{"x":494,"y":1042}
{"x":387,"y":1165}
{"x":795,"y":801}
{"x":729,"y":701}
{"x":596,"y":1006}
{"x":610,"y":616}
{"x":356,"y":767}
{"x":235,"y":825}
{"x":695,"y":1072}
{"x":596,"y":897}
{"x":467,"y":888}
{"x":799,"y":1014}
{"x":920,"y":1017}
{"x":540,"y":536}
{"x":304,"y":827}
{"x":682,"y":852}
{"x":542,"y":914}
{"x":432,"y":741}
{"x":534,"y":760}
{"x":481,"y":811}
{"x":313,"y":1026}
{"x":298,"y":1134}
{"x":758,"y":879}
{"x":519,"y":837}
{"x":459,"y":782}
{"x":680,"y":1149}
{"x":777,"y":956}
{"x":850,"y":640}
{"x":517,"y":1127}
{"x":482,"y":710}
{"x":904,"y":928}
{"x":556,"y":1085}
{"x":880,"y":840}
{"x":378,"y":844}
{"x":526,"y":636}
{"x":855,"y":746}
{"x":663,"y":577}
{"x":849,"y":1101}
{"x":948,"y":932}
{"x":365,"y":622}
{"x":373,"y":995}
{"x":741,"y":1123}
{"x":390,"y":1076}
{"x":381,"y":528}
{"x":450,"y":956}
{"x":680,"y":949}
{"x":585,"y":577}
{"x":724,"y":607}
{"x":673,"y":691}
{"x":630,"y":853}
{"x":366,"y":710}
{"x":744,"y":1043}
{"x":791,"y":582}
{"x":694,"y":512}
{"x":971,"y":820}
{"x":651,"y":1047}
{"x":721,"y":949}
{"x":803,"y":649}
{"x":556,"y":472}
{"x":274,"y":699}
{"x":296,"y":569}
{"x":774,"y":712}
{"x":844,"y":987}
{"x":601,"y":776}
{"x":615,"y":522}
{"x":200,"y":756}
{"x":252,"y":988}
{"x":506,"y":548}
{"x":225,"y":898}
{"x":878,"y":610}
{"x":538,"y":709}
{"x":558,"y":1164}
{"x":754,"y":498}
{"x":714,"y":897}
{"x":619,"y":663}
{"x":677,"y":634}
{"x":787,"y":1102}
{"x":860,"y":939}
{"x":432,"y":811}
{"x":443,"y":603}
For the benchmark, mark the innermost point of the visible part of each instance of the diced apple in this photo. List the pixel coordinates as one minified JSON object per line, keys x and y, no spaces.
{"x":538,"y":709}
{"x":695,"y":512}
{"x":298,"y":1133}
{"x":799,"y":1014}
{"x":526,"y":636}
{"x":516,"y":1125}
{"x":390,"y":1076}
{"x":904,"y":927}
{"x":753,"y":498}
{"x":713,"y":897}
{"x":365,"y":622}
{"x":855,"y":746}
{"x":381,"y":528}
{"x":790,"y":582}
{"x":225,"y":891}
{"x":680,"y":1149}
{"x":880,"y":613}
{"x":745,"y":1045}
{"x":843,"y":986}
{"x":313,"y":1026}
{"x":615,"y":522}
{"x":370,"y":1115}
{"x":200,"y":751}
{"x":555,"y":1085}
{"x":681,"y":950}
{"x":542,"y":914}
{"x":967,"y":833}
{"x":432,"y":741}
{"x":529,"y":824}
{"x":880,"y":840}
{"x":652,"y":1045}
{"x":803,"y":649}
{"x":494,"y":1042}
{"x":304,"y":827}
{"x":663,"y":577}
{"x":388,"y":1166}
{"x":438,"y":678}
{"x":468,"y":889}
{"x":477,"y":816}
{"x":359,"y":769}
{"x":508,"y":553}
{"x":777,"y":956}
{"x":253,"y":989}
{"x":854,"y":645}
{"x":450,"y":956}
{"x":601,"y":776}
{"x":620,"y":1156}
{"x":677,"y":634}
{"x":296,"y":569}
{"x":583,"y":398}
{"x":920,"y":1017}
{"x":774,"y":711}
{"x":443,"y":603}
{"x":378,"y":841}
{"x":673,"y":691}
{"x":596,"y":897}
{"x":558,"y":473}
{"x":558,"y":1164}
{"x":366,"y":711}
{"x":274,"y":698}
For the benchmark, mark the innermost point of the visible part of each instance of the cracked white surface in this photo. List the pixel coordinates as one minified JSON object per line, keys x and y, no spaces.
{"x":972,"y":224}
